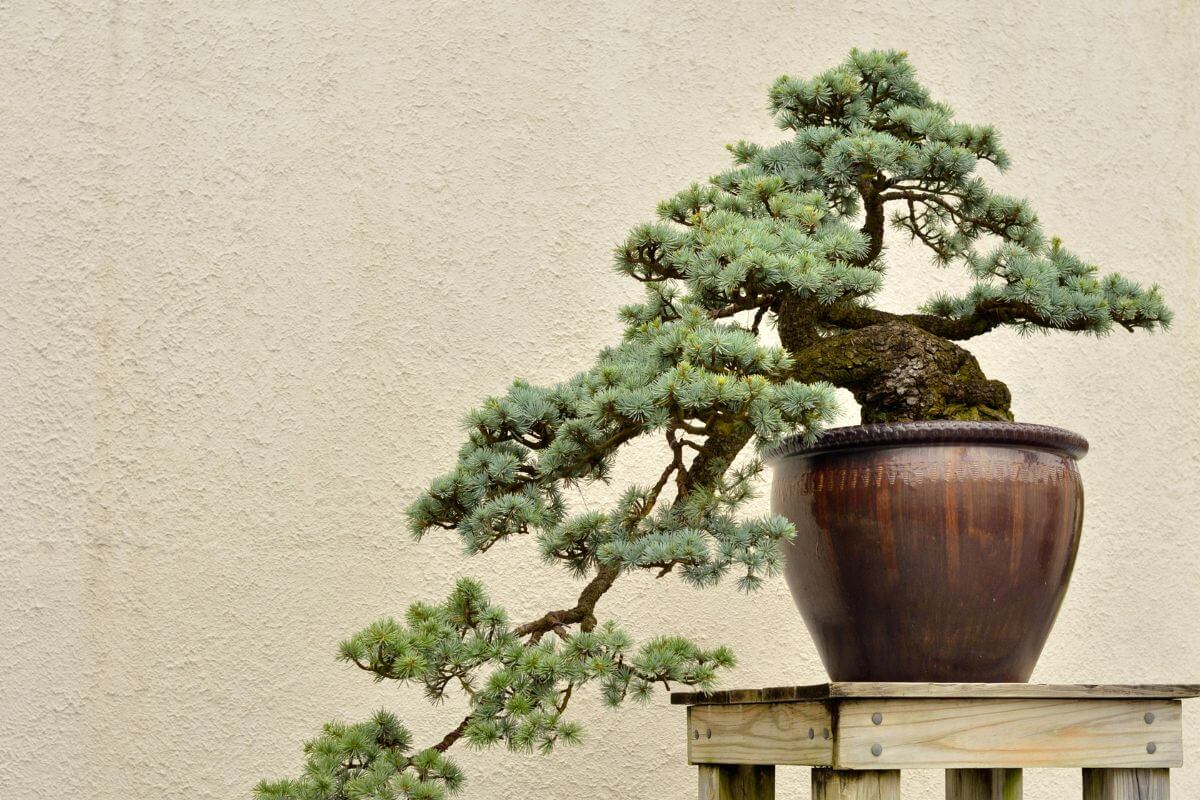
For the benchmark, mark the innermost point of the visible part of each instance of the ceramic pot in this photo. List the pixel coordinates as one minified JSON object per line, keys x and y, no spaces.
{"x":931,"y":551}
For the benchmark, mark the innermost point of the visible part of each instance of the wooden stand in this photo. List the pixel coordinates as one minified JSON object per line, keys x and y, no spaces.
{"x":858,"y":736}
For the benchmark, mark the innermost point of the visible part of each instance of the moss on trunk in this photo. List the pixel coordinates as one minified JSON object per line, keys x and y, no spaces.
{"x":899,"y":373}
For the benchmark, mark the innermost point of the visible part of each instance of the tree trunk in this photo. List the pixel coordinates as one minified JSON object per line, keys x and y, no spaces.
{"x":899,"y":373}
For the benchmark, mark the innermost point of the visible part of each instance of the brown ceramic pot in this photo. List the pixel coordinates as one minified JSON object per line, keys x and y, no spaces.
{"x":931,"y":551}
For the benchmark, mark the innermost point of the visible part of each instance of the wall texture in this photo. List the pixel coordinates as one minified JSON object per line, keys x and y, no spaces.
{"x":258,"y":258}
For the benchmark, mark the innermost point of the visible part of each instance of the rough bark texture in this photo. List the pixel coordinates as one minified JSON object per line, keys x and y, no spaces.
{"x":868,"y":189}
{"x":797,"y":330}
{"x":719,"y":452}
{"x":898,"y":372}
{"x":900,"y":368}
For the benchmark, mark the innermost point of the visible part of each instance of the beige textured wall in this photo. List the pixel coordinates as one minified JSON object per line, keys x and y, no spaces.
{"x":258,"y":258}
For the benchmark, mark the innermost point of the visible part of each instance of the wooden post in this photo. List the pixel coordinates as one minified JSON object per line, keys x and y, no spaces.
{"x":983,"y":784}
{"x":736,"y":782}
{"x":1126,"y":784}
{"x":841,"y":784}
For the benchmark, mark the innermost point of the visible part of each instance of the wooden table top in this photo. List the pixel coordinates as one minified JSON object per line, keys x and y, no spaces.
{"x":835,"y":691}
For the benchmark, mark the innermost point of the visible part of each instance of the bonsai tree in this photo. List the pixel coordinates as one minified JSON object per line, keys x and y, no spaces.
{"x":791,"y":236}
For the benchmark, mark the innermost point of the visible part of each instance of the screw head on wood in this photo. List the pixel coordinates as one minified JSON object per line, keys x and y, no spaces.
{"x":877,"y":718}
{"x":877,"y":749}
{"x":812,"y":734}
{"x":825,"y":733}
{"x":1150,"y":748}
{"x":695,"y":734}
{"x":1149,"y":718}
{"x":708,"y":733}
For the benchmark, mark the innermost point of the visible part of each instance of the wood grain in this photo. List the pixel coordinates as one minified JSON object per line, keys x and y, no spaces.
{"x":983,"y":784}
{"x":830,"y":691}
{"x":834,"y":784}
{"x":736,"y":782}
{"x":758,"y":733}
{"x":977,"y":733}
{"x":1126,"y":784}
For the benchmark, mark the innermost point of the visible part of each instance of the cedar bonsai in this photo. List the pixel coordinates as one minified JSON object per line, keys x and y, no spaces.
{"x":792,"y":235}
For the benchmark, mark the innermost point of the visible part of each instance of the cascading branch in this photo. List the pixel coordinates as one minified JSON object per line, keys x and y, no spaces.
{"x":793,"y":236}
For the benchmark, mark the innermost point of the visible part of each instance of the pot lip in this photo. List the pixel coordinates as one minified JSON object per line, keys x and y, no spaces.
{"x":892,"y":434}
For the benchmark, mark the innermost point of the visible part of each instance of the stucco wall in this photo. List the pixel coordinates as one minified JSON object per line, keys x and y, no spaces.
{"x":259,"y":258}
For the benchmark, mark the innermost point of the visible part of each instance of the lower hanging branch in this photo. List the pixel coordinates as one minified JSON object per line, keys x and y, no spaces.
{"x":521,"y":701}
{"x":519,"y":681}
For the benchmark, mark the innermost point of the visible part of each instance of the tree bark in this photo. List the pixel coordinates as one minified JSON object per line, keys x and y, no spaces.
{"x":898,"y":373}
{"x":873,"y":224}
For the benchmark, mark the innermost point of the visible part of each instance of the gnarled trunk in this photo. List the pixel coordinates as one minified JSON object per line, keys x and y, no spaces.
{"x":899,"y":373}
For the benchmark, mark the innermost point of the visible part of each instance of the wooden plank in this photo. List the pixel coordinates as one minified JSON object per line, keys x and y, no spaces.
{"x":829,"y":691}
{"x":834,"y":784}
{"x":941,"y":733}
{"x":983,"y":784}
{"x":1050,"y":691}
{"x":1126,"y":784}
{"x":776,"y":694}
{"x":760,"y":733}
{"x":819,"y":691}
{"x":736,"y":782}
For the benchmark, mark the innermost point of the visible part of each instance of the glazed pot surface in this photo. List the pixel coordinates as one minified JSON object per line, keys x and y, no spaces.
{"x":931,"y":551}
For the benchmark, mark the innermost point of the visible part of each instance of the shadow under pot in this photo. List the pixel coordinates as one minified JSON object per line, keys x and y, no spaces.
{"x":931,"y":551}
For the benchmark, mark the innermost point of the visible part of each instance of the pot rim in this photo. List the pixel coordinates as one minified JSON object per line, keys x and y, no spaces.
{"x":900,"y":434}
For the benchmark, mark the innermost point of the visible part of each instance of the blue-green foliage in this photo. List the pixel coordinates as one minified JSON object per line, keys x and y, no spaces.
{"x":777,"y":223}
{"x":520,"y":701}
{"x":371,"y":760}
{"x":689,"y":374}
{"x":1060,"y":290}
{"x":741,"y":248}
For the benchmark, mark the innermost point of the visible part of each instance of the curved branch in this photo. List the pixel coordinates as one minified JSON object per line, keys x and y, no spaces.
{"x":936,"y":199}
{"x":582,"y":613}
{"x":853,"y":317}
{"x":453,"y":736}
{"x":987,"y":316}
